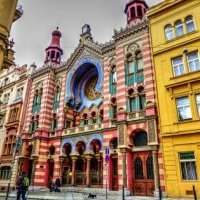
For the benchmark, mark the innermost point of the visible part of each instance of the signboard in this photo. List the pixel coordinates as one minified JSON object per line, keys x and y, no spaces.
{"x":107,"y":154}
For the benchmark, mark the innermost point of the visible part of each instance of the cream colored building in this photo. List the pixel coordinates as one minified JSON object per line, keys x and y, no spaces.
{"x":13,"y":96}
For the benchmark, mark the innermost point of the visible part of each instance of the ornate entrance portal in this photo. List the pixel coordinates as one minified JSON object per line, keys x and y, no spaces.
{"x":82,"y":163}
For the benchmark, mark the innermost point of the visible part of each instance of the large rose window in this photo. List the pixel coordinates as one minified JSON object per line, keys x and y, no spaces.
{"x":84,"y":85}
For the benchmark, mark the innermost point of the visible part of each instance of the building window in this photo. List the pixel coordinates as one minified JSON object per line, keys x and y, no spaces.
{"x":56,"y":100}
{"x":5,"y":173}
{"x":139,"y":11}
{"x":113,"y":81}
{"x":183,"y":108}
{"x":6,"y":98}
{"x":54,"y":125}
{"x":19,"y":93}
{"x":179,"y":28}
{"x":133,"y":15}
{"x":142,"y":101}
{"x":189,"y":24}
{"x":178,"y":66}
{"x":113,"y":112}
{"x":13,"y":116}
{"x":52,"y":54}
{"x":37,"y":101}
{"x":68,"y":124}
{"x":198,"y":102}
{"x":85,"y":119}
{"x":193,"y":61}
{"x":188,"y":166}
{"x":132,"y":104}
{"x":34,"y":124}
{"x":169,"y":32}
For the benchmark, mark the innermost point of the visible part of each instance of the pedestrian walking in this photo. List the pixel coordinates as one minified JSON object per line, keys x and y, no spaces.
{"x":57,"y":185}
{"x":22,"y":186}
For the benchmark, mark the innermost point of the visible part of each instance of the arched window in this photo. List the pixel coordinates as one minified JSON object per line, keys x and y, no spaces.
{"x":140,"y":139}
{"x":138,"y":168}
{"x":85,"y":119}
{"x":133,"y":14}
{"x":114,"y":143}
{"x":113,"y":81}
{"x":149,"y":167}
{"x":52,"y":54}
{"x":94,"y":118}
{"x":169,"y":32}
{"x":189,"y":24}
{"x":179,"y":28}
{"x":139,"y":11}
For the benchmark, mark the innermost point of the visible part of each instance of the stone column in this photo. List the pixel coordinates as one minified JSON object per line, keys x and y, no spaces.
{"x":61,"y":159}
{"x":99,"y":169}
{"x":74,"y":158}
{"x":35,"y":159}
{"x":156,"y":172}
{"x":88,"y":170}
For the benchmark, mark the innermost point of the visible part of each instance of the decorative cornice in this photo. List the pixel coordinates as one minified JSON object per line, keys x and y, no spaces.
{"x":127,"y":31}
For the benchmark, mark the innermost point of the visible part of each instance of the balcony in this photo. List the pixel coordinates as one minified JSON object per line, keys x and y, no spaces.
{"x":136,"y":115}
{"x":85,"y":128}
{"x":17,"y":100}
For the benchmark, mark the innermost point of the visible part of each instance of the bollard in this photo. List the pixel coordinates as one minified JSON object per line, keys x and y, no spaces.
{"x":194,"y":192}
{"x":123,"y":193}
{"x":160,"y":193}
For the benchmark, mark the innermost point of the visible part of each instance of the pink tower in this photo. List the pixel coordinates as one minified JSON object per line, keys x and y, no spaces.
{"x":54,"y":51}
{"x":135,"y":11}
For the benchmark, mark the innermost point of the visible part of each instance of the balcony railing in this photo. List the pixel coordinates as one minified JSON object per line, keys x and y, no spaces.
{"x":85,"y":128}
{"x":136,"y":115}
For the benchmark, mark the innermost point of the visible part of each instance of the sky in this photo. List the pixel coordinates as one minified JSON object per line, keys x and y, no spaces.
{"x":32,"y":32}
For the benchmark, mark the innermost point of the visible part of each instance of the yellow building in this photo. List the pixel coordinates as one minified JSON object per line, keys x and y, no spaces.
{"x":175,"y":36}
{"x":8,"y":14}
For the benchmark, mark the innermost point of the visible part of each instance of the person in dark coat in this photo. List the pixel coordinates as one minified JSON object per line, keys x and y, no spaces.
{"x":22,"y":186}
{"x":57,"y":185}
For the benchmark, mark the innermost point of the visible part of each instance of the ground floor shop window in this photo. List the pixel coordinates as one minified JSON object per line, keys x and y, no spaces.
{"x":5,"y":173}
{"x":188,"y":166}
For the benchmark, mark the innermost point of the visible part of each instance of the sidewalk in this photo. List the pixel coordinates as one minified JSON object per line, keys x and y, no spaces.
{"x":77,"y":196}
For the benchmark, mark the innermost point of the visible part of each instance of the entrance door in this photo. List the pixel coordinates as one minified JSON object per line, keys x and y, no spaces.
{"x":80,"y":172}
{"x":51,"y":170}
{"x":114,"y":173}
{"x":143,"y":177}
